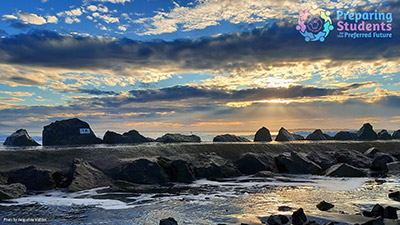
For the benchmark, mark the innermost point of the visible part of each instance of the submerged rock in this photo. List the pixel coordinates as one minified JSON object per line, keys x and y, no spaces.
{"x":384,"y":135}
{"x":318,"y":135}
{"x":131,"y":137}
{"x":20,"y":138}
{"x":177,"y":170}
{"x":168,"y":221}
{"x":141,"y":171}
{"x":229,"y":138}
{"x":396,"y":134}
{"x":85,"y":176}
{"x":263,"y":134}
{"x":69,"y":132}
{"x":284,"y":135}
{"x":11,"y":191}
{"x":296,"y":164}
{"x":325,"y":206}
{"x":298,"y":217}
{"x":177,"y":138}
{"x":250,"y":163}
{"x":345,"y":136}
{"x":33,"y":178}
{"x":366,"y":132}
{"x":345,"y":170}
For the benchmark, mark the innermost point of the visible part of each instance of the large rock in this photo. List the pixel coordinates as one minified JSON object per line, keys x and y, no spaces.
{"x":390,"y":212}
{"x":277,"y":220}
{"x":353,"y":158}
{"x":213,"y":166}
{"x":33,"y":178}
{"x":20,"y":138}
{"x":323,"y":159}
{"x":298,"y":137}
{"x":130,"y":137}
{"x":367,"y":132}
{"x":345,"y":170}
{"x":393,"y":168}
{"x":376,"y":211}
{"x":295,"y":163}
{"x":12,"y":191}
{"x":380,"y":161}
{"x":69,"y":132}
{"x":141,"y":171}
{"x":318,"y":135}
{"x":176,"y":138}
{"x":284,"y":135}
{"x":168,"y":221}
{"x":384,"y":135}
{"x":177,"y":170}
{"x":345,"y":136}
{"x":85,"y":176}
{"x":263,"y":134}
{"x":229,"y":138}
{"x":325,"y":206}
{"x":371,"y":152}
{"x":298,"y":217}
{"x":396,"y":134}
{"x":250,"y":163}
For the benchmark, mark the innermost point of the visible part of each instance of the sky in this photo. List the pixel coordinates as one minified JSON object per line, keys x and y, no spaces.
{"x":192,"y":66}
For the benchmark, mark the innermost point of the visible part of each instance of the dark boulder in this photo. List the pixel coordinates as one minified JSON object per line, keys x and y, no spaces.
{"x":353,"y":158}
{"x":177,"y":170}
{"x":168,"y":221}
{"x":213,"y":166}
{"x":229,"y":138}
{"x":298,"y":217}
{"x":263,"y":134}
{"x":323,"y":159}
{"x":380,"y":161}
{"x":390,"y":212}
{"x":177,"y":138}
{"x":85,"y":176}
{"x":69,"y":132}
{"x":140,"y":171}
{"x":298,"y":137}
{"x":384,"y":135}
{"x":345,"y":170}
{"x":295,"y":163}
{"x":395,"y":196}
{"x":277,"y":220}
{"x":11,"y":191}
{"x":33,"y":178}
{"x":318,"y":135}
{"x":130,"y":137}
{"x":396,"y":134}
{"x":371,"y":152}
{"x":325,"y":206}
{"x":376,"y":211}
{"x":366,"y":132}
{"x":250,"y":163}
{"x":20,"y":138}
{"x":284,"y":135}
{"x":345,"y":136}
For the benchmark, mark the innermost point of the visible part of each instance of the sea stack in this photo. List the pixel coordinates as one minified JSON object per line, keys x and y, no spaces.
{"x":263,"y":134}
{"x":20,"y":138}
{"x":367,"y":132}
{"x":284,"y":135}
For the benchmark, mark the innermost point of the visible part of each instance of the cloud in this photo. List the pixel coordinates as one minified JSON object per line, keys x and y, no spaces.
{"x":2,"y":99}
{"x":52,"y":19}
{"x":112,"y":1}
{"x":17,"y":93}
{"x":8,"y":17}
{"x":31,"y":18}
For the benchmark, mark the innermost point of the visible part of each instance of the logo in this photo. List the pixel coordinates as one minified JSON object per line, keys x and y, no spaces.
{"x":314,"y":24}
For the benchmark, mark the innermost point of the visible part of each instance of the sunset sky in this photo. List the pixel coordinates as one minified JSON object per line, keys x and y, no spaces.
{"x":204,"y":65}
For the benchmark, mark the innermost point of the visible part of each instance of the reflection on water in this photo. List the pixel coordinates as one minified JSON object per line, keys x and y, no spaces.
{"x":231,"y":201}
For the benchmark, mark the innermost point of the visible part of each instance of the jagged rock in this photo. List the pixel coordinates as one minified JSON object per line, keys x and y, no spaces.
{"x":345,"y":170}
{"x":298,"y":217}
{"x":353,"y":158}
{"x":296,"y":164}
{"x":277,"y":220}
{"x":140,"y":171}
{"x":325,"y":206}
{"x":393,"y":168}
{"x":298,"y":137}
{"x":284,"y":135}
{"x":213,"y":166}
{"x":318,"y":135}
{"x":11,"y":191}
{"x":265,"y":173}
{"x":390,"y":212}
{"x":396,"y":134}
{"x":371,"y":152}
{"x":395,"y":196}
{"x":177,"y":138}
{"x":33,"y":178}
{"x":20,"y":138}
{"x":168,"y":221}
{"x":263,"y":134}
{"x":229,"y":138}
{"x":384,"y":135}
{"x":345,"y":136}
{"x":378,"y":221}
{"x":177,"y":170}
{"x":69,"y":132}
{"x":250,"y":163}
{"x":323,"y":159}
{"x":367,"y":132}
{"x":376,"y":211}
{"x":131,"y":137}
{"x":85,"y":176}
{"x":380,"y":161}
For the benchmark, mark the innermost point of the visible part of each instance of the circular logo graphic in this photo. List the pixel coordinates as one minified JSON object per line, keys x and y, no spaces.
{"x":314,"y":24}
